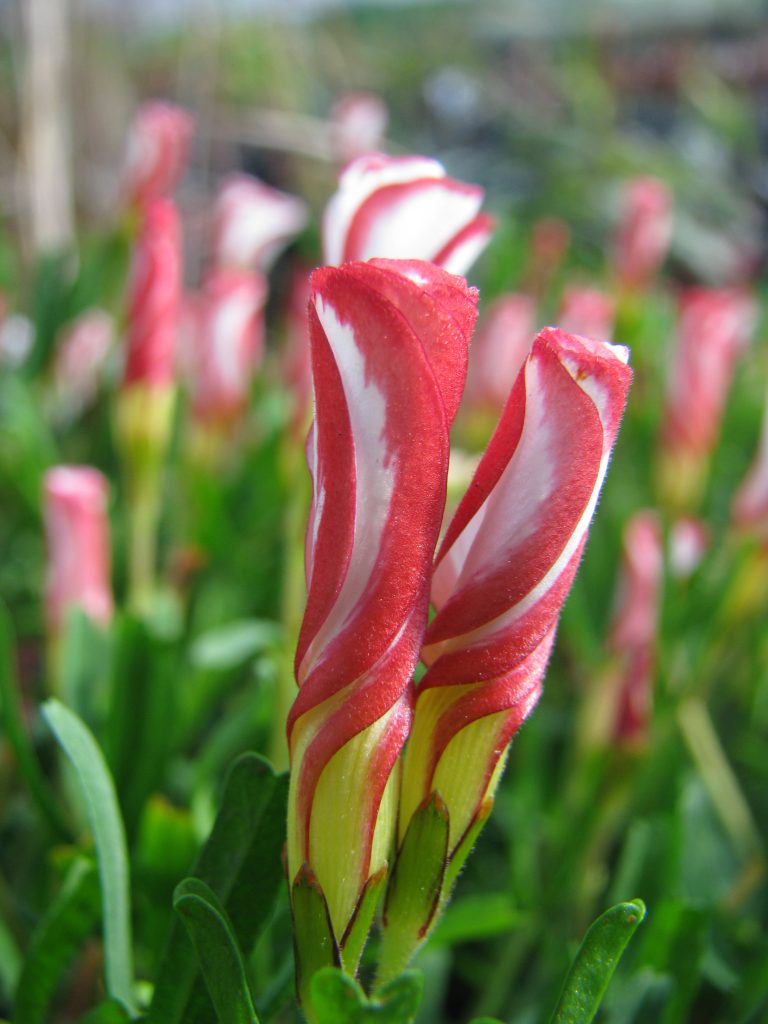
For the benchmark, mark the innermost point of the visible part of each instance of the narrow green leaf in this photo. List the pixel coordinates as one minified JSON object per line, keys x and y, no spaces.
{"x":107,"y":827}
{"x":141,"y":714}
{"x":242,"y":863}
{"x":355,"y":937}
{"x":415,"y":887}
{"x":593,"y":968}
{"x":313,"y":940}
{"x":13,"y":726}
{"x":485,"y":1020}
{"x":229,"y":646}
{"x":68,"y":922}
{"x":10,"y":961}
{"x":217,"y":950}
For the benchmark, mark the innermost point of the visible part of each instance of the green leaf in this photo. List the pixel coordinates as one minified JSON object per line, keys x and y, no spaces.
{"x":13,"y":726}
{"x":593,"y":968}
{"x":82,"y":665}
{"x":485,"y":1020}
{"x":108,"y":1012}
{"x":141,"y":714}
{"x":477,"y":917}
{"x":107,"y":828}
{"x":336,"y":998}
{"x":415,"y":887}
{"x":313,"y":939}
{"x":67,"y":923}
{"x":217,"y":950}
{"x":229,"y":646}
{"x":242,"y":863}
{"x":10,"y":961}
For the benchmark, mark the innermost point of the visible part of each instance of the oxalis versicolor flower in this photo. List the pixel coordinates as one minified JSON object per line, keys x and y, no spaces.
{"x":389,"y":346}
{"x":501,"y":575}
{"x":389,"y":355}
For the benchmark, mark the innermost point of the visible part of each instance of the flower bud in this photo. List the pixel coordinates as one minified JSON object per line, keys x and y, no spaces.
{"x":643,"y":233}
{"x":504,"y":568}
{"x":633,"y":635}
{"x":157,"y":152}
{"x":389,"y":349}
{"x":587,"y":311}
{"x":359,"y":121}
{"x":229,"y":344}
{"x":715,"y":327}
{"x":498,"y":350}
{"x":404,"y":208}
{"x":252,"y":223}
{"x":80,"y":359}
{"x":77,"y":533}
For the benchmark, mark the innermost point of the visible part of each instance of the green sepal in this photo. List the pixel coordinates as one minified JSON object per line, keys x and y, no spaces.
{"x":415,"y":887}
{"x":466,"y":845}
{"x":218,"y":951}
{"x":313,"y":939}
{"x":356,"y":934}
{"x":596,"y":960}
{"x":336,"y":998}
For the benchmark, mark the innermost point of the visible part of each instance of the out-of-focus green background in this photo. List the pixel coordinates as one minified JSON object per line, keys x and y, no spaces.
{"x":552,"y":107}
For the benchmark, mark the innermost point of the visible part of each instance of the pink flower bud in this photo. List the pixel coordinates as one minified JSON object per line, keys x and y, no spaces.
{"x":157,"y":152}
{"x":77,"y":531}
{"x":504,"y":568}
{"x":587,"y":311}
{"x":229,"y":344}
{"x":499,"y":349}
{"x":389,"y":350}
{"x":359,"y":121}
{"x":643,"y":233}
{"x":715,"y":327}
{"x":637,"y":609}
{"x":154,"y":295}
{"x":633,"y":632}
{"x":252,"y":223}
{"x":689,"y":541}
{"x":404,"y":208}
{"x":80,"y":359}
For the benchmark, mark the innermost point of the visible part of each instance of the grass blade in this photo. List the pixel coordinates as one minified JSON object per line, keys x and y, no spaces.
{"x":109,"y":837}
{"x":593,"y":968}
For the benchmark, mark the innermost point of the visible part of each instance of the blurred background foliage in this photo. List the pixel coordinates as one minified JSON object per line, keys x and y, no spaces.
{"x":551,"y":107}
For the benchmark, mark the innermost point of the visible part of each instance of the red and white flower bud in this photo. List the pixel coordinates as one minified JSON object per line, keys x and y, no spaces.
{"x":634,"y":631}
{"x":252,"y":223}
{"x":154,"y":296}
{"x":77,"y":533}
{"x":504,"y":568}
{"x":404,"y":208}
{"x":499,"y":349}
{"x":80,"y":359}
{"x":389,"y":352}
{"x":587,"y":311}
{"x":229,"y":344}
{"x":643,"y":233}
{"x":359,"y":122}
{"x":157,"y":152}
{"x":715,"y":327}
